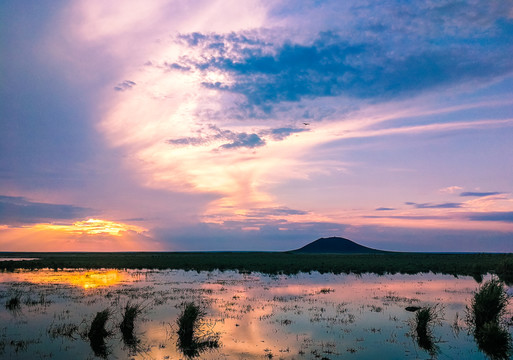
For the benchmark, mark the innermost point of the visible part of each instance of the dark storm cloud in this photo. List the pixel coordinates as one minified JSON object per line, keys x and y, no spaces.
{"x":480,"y":194}
{"x":18,"y":210}
{"x":504,"y":216}
{"x":331,"y":65}
{"x":435,"y":206}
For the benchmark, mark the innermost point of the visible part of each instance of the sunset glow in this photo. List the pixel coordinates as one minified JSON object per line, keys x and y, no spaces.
{"x":96,"y":226}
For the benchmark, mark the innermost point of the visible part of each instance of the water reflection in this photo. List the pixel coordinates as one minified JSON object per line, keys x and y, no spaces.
{"x":17,"y":259}
{"x":423,"y":326}
{"x":495,"y":341}
{"x":98,"y":333}
{"x":253,"y":316}
{"x":485,"y":316}
{"x":193,"y":338}
{"x":89,"y":279}
{"x":127,"y":327}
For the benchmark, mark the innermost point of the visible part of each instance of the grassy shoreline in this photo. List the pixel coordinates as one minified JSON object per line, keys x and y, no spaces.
{"x":474,"y":265}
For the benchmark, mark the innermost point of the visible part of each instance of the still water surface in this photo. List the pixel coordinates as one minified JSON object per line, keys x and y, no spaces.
{"x":255,"y":316}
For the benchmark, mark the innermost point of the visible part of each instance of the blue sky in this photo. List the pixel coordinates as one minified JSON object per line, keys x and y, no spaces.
{"x":256,"y":125}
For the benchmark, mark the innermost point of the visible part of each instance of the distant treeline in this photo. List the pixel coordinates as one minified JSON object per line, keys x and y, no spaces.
{"x":475,"y":265}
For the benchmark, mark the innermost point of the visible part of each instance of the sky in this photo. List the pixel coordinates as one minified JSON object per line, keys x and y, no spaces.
{"x":174,"y":125}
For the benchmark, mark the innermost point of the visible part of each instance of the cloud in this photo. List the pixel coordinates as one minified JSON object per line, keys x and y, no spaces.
{"x":18,"y":210}
{"x":435,"y":206}
{"x":276,"y":211}
{"x":282,"y":133}
{"x":450,"y":189}
{"x":244,"y":140}
{"x":504,"y":216}
{"x":214,"y":134}
{"x":125,"y":85}
{"x":407,"y":217}
{"x":280,"y":235}
{"x":267,"y":71}
{"x":384,"y":209}
{"x":480,"y":194}
{"x":81,"y":236}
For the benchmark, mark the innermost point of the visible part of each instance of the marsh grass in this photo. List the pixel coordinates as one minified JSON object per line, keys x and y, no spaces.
{"x":67,"y":330}
{"x":422,"y":325}
{"x":42,"y":300}
{"x":488,"y":304}
{"x":192,"y":339}
{"x":97,"y":333}
{"x":505,"y":271}
{"x":485,"y":319}
{"x":277,"y":263}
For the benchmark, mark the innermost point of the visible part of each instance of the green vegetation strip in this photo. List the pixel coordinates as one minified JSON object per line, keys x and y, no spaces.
{"x":276,"y":262}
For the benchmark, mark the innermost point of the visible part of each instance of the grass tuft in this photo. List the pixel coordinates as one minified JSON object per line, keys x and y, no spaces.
{"x":64,"y":330}
{"x":488,"y":304}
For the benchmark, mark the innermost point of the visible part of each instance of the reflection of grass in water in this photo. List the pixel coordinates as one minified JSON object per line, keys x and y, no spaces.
{"x":191,"y":340}
{"x":97,"y":333}
{"x":494,"y":340}
{"x":484,"y":317}
{"x":127,"y":327}
{"x":14,"y":303}
{"x":424,"y":321}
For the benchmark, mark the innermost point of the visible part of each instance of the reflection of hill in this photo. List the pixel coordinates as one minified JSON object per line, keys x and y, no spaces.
{"x":335,"y":245}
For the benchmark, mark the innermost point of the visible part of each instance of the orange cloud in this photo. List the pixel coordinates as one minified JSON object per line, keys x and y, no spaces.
{"x":95,"y":227}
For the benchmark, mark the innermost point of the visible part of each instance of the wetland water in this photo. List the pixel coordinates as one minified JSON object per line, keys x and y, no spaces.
{"x":253,"y":316}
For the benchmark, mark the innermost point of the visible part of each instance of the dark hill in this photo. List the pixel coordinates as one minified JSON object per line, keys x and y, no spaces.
{"x":335,"y":245}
